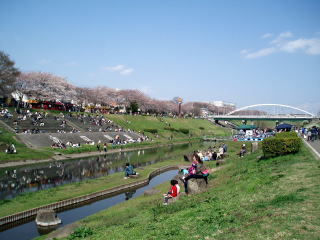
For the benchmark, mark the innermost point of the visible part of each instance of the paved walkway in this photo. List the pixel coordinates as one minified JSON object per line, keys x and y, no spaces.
{"x":315,"y":147}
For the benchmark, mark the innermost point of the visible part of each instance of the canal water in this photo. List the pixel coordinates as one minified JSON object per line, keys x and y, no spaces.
{"x":29,"y":230}
{"x":19,"y":180}
{"x":31,"y":178}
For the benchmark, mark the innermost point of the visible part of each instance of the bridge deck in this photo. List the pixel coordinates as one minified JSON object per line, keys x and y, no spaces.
{"x":262,"y":117}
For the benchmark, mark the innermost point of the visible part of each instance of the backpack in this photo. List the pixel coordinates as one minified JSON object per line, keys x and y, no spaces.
{"x":205,"y":172}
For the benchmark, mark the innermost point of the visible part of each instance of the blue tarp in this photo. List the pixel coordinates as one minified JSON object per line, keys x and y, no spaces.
{"x":284,"y":126}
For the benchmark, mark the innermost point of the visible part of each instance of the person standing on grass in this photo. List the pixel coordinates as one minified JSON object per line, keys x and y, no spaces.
{"x":105,"y":149}
{"x":98,"y":146}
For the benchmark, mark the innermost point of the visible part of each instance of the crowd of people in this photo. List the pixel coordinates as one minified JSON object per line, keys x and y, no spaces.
{"x":213,"y":152}
{"x":95,"y":122}
{"x":33,"y":122}
{"x":309,"y":134}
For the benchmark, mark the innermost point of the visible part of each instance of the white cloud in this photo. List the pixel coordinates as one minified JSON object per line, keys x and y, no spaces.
{"x":114,"y":68}
{"x":127,"y":71}
{"x":309,"y":46}
{"x":282,"y":37}
{"x":282,"y":43}
{"x":267,"y":35}
{"x":261,"y":53}
{"x":120,"y":69}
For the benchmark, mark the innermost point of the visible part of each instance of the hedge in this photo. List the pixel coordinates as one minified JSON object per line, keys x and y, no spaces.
{"x":171,"y":129}
{"x":281,"y":144}
{"x":286,"y":135}
{"x":151,"y":130}
{"x":184,"y":130}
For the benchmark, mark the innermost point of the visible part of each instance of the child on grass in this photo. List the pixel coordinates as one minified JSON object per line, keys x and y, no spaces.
{"x":174,"y":192}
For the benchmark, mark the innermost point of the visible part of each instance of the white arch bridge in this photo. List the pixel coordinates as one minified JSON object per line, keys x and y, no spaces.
{"x":244,"y":114}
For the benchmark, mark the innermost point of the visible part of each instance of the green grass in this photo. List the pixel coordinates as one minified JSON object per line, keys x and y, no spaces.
{"x":26,"y":201}
{"x":93,"y":148}
{"x":277,"y":198}
{"x":197,"y":127}
{"x":23,"y":152}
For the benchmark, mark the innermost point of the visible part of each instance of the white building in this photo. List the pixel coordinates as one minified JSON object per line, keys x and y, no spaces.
{"x":223,"y":104}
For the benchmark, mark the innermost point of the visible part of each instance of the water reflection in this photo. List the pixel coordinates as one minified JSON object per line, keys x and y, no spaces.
{"x":129,"y":194}
{"x":36,"y":177}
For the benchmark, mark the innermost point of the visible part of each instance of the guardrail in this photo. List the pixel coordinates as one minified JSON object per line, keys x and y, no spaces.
{"x":77,"y":200}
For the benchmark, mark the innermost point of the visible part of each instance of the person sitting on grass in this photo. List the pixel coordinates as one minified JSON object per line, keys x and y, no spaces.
{"x":243,"y":150}
{"x":174,"y":192}
{"x":200,"y":172}
{"x":128,"y":171}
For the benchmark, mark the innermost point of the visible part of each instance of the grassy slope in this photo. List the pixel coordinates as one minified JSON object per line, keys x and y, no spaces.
{"x":140,"y":123}
{"x":272,"y":199}
{"x":23,"y":152}
{"x":137,"y":123}
{"x":39,"y":198}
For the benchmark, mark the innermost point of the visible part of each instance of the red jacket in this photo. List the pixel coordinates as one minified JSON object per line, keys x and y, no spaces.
{"x":175,"y":190}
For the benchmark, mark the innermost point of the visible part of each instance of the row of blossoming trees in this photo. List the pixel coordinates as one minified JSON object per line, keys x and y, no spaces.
{"x":47,"y":86}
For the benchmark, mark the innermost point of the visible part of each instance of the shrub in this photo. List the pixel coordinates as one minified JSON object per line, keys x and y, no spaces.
{"x":201,"y":128}
{"x":286,"y":135}
{"x":80,"y":233}
{"x":184,"y":130}
{"x":151,"y":130}
{"x":281,"y":144}
{"x":171,"y":129}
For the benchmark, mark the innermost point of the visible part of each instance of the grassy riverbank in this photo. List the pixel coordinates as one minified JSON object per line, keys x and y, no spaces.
{"x":23,"y":152}
{"x":169,"y":130}
{"x":276,"y":198}
{"x":164,"y":156}
{"x":169,"y":127}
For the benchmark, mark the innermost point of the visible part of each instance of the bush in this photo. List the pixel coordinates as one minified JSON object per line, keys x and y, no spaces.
{"x":184,"y":130}
{"x":286,"y":135}
{"x":80,"y":233}
{"x":201,"y":128}
{"x":281,"y":144}
{"x":171,"y":129}
{"x":151,"y":130}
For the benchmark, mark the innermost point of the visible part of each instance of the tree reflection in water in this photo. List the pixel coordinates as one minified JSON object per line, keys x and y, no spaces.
{"x":48,"y":175}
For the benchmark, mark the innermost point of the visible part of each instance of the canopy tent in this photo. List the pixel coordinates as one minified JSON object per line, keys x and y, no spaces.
{"x":284,"y":126}
{"x":246,"y":127}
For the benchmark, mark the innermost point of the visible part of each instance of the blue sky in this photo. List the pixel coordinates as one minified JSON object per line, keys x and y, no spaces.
{"x":245,"y":52}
